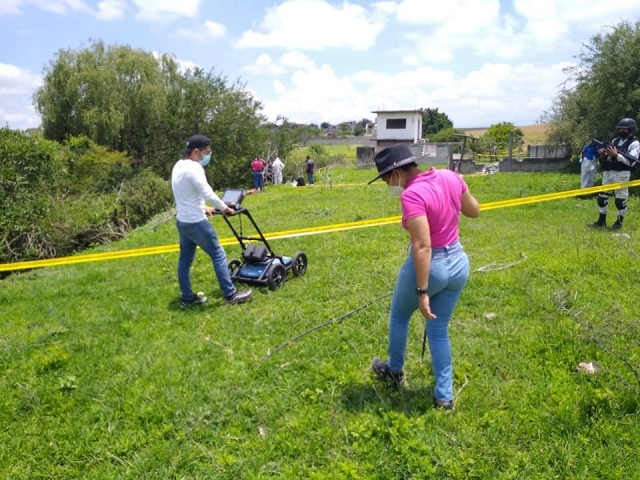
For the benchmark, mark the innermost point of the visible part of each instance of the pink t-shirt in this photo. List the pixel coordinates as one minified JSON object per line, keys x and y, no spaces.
{"x":436,"y":194}
{"x":257,"y":165}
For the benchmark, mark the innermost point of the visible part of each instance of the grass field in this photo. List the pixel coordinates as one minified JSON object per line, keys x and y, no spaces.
{"x":103,"y":376}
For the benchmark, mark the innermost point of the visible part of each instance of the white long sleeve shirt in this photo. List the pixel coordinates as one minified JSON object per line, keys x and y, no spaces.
{"x":191,"y":190}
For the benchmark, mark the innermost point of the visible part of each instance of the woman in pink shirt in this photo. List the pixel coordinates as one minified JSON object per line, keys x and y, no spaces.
{"x":432,"y":278}
{"x":257,"y":169}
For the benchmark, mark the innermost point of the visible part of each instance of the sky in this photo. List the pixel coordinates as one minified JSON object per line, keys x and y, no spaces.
{"x":479,"y":61}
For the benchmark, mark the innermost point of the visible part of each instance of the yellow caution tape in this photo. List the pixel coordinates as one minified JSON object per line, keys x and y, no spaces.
{"x":138,"y":252}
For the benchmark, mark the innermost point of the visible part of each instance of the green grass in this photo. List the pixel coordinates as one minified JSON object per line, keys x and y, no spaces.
{"x":102,"y":375}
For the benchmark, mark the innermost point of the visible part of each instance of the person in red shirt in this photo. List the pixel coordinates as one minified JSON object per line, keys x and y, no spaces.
{"x":257,"y":167}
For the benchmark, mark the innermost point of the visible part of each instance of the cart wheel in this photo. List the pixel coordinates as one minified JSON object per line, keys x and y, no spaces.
{"x":299,"y":264}
{"x":234,"y":266}
{"x":277,"y":277}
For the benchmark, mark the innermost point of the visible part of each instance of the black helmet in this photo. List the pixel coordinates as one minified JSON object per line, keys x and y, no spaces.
{"x":629,"y":123}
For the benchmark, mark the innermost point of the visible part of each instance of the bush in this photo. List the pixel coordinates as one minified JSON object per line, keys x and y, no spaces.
{"x":56,"y":199}
{"x":142,"y":197}
{"x":93,"y":168}
{"x":29,"y":171}
{"x":446,"y":135}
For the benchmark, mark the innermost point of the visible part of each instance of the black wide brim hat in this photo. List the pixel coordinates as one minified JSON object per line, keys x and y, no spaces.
{"x":392,"y":157}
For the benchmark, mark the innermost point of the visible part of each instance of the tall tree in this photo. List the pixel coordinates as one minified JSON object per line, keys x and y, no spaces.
{"x":132,"y":100}
{"x":434,"y":121}
{"x":603,"y":88}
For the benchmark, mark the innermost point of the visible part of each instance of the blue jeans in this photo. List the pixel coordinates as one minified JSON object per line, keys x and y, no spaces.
{"x":203,"y":235}
{"x":258,"y":180}
{"x":310,"y":178}
{"x":447,"y":277}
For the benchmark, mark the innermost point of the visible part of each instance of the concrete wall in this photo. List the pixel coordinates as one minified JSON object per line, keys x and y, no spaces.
{"x":526,"y":165}
{"x":534,"y":165}
{"x":364,"y":140}
{"x":364,"y":158}
{"x":548,"y":151}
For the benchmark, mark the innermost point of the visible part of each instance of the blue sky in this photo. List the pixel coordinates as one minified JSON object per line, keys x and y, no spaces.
{"x":480,"y":61}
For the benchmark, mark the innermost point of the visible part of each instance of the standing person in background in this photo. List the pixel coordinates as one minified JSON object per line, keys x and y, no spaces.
{"x":257,"y":167}
{"x":309,"y":168}
{"x":278,"y":167}
{"x":588,"y":165}
{"x":191,"y":190}
{"x":433,"y":276}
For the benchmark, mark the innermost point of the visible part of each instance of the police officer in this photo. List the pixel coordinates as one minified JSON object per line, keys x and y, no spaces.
{"x":616,"y":162}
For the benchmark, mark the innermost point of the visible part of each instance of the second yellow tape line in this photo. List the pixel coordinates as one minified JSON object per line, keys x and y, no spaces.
{"x":96,"y":257}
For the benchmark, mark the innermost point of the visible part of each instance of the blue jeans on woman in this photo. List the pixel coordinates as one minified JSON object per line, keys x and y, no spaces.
{"x":258,"y":180}
{"x":203,"y":235}
{"x":447,"y":277}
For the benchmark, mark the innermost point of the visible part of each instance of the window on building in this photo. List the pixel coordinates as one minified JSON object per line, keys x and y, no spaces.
{"x":396,"y":123}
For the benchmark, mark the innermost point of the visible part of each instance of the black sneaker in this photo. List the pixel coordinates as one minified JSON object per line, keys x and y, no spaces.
{"x":442,"y":406}
{"x":598,"y":224}
{"x":384,"y":373}
{"x":617,"y":225}
{"x":196,"y":300}
{"x":239,"y":297}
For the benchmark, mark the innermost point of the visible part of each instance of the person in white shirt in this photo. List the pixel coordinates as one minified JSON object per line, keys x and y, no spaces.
{"x":191,"y":190}
{"x":278,"y":166}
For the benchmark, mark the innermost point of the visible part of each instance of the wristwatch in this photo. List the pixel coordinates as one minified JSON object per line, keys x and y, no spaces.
{"x":421,"y":291}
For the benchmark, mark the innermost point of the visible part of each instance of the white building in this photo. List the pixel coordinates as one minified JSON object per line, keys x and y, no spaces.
{"x":397,"y":126}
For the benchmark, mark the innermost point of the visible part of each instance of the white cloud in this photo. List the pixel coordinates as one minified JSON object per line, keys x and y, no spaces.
{"x":17,"y":81}
{"x":264,"y":65}
{"x":16,"y":87}
{"x":295,"y":60}
{"x":12,"y":7}
{"x":314,"y":25}
{"x":166,"y":10}
{"x":19,"y":120}
{"x":495,"y":92}
{"x":278,"y":87}
{"x":210,"y":30}
{"x":439,"y":32}
{"x":111,"y":9}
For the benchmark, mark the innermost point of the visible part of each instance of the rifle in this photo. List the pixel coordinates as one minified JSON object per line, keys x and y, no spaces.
{"x":633,"y":162}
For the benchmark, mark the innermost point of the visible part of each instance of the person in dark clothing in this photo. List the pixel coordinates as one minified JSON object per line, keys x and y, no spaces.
{"x":616,"y":162}
{"x":309,"y":168}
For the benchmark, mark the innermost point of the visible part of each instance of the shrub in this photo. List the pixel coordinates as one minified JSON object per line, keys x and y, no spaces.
{"x":142,"y":197}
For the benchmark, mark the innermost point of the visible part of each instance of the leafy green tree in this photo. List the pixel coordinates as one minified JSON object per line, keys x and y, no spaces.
{"x":433,"y":122}
{"x":359,"y":130}
{"x":498,"y":133}
{"x":128,"y":100}
{"x":603,"y":88}
{"x":446,"y":135}
{"x":345,"y":130}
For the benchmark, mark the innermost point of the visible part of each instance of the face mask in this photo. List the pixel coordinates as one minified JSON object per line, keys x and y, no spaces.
{"x":205,"y":160}
{"x":623,"y":134}
{"x":395,"y":190}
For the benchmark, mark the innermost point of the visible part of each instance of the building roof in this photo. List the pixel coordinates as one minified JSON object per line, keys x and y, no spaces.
{"x":396,"y":111}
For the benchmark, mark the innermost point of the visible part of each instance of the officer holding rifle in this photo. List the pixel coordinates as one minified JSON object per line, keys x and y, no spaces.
{"x":617,"y":159}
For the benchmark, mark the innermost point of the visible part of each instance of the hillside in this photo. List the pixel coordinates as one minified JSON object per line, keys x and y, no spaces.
{"x":533,"y":134}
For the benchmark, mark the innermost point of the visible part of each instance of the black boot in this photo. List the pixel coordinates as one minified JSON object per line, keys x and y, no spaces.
{"x":601,"y":223}
{"x":618,"y":224}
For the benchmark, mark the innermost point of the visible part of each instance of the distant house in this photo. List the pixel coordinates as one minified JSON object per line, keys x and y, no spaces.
{"x":397,"y":126}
